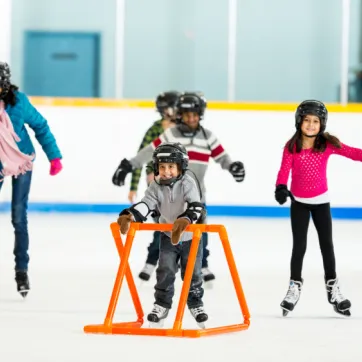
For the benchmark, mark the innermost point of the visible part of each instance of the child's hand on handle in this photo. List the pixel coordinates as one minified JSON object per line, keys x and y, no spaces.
{"x":55,"y":166}
{"x":237,"y":170}
{"x":282,"y":193}
{"x":178,"y":228}
{"x":123,"y":169}
{"x":124,"y":222}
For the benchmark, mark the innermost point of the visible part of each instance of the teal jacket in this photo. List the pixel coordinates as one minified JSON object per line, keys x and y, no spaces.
{"x":24,"y":113}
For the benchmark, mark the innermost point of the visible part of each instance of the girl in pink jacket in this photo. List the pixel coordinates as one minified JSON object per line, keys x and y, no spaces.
{"x":306,"y":154}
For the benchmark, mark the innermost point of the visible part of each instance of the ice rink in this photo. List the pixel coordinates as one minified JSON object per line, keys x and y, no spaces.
{"x":72,"y":270}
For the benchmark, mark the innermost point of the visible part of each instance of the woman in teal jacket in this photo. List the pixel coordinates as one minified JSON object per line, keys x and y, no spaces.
{"x":16,"y":158}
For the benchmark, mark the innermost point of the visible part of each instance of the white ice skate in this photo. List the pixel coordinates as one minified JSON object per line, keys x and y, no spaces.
{"x":200,"y":316}
{"x":341,"y":305}
{"x":146,"y":272}
{"x":157,"y":316}
{"x":208,"y":277}
{"x":292,"y":297}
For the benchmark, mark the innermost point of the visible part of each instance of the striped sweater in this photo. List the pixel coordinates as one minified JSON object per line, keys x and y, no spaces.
{"x":200,"y":147}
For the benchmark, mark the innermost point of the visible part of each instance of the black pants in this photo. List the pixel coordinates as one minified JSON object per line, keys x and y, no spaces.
{"x":154,"y":249}
{"x":321,"y":215}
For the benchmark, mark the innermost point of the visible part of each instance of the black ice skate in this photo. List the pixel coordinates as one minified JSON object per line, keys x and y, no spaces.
{"x":146,"y":272}
{"x":22,"y":281}
{"x":341,"y":305}
{"x":200,"y":316}
{"x":157,"y":316}
{"x":292,"y":297}
{"x":208,"y":277}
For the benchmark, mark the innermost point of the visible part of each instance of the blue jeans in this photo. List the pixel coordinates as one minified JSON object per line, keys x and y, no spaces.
{"x":167,"y":269}
{"x":19,"y":219}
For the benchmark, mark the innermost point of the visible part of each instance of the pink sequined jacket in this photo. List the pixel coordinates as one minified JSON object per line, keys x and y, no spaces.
{"x":309,"y":169}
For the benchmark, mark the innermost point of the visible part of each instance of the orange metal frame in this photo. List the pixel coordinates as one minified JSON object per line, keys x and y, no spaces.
{"x":108,"y":327}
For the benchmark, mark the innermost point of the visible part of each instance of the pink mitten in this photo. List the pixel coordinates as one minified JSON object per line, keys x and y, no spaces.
{"x":55,"y":166}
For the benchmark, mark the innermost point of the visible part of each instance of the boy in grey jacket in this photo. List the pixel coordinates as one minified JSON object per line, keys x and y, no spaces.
{"x":177,"y":198}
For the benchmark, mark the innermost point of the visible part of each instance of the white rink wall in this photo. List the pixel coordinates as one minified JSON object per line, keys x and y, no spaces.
{"x":94,"y":140}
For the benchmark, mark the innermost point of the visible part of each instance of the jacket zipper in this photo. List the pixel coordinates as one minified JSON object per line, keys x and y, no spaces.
{"x":171,"y":193}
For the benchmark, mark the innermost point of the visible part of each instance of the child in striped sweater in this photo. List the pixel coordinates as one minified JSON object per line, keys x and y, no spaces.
{"x":201,"y":146}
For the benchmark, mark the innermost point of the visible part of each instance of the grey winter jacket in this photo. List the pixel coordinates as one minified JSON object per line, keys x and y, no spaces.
{"x":170,"y":201}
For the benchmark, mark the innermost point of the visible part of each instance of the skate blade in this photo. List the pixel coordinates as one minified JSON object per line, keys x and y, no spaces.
{"x":201,"y":325}
{"x":344,"y":313}
{"x":142,"y":283}
{"x":209,"y":285}
{"x":285,"y":312}
{"x":24,"y":293}
{"x":156,"y":324}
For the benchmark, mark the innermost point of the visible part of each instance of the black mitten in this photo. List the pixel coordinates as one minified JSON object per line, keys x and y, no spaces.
{"x":237,"y":170}
{"x":155,"y":214}
{"x":282,"y":193}
{"x":123,"y":169}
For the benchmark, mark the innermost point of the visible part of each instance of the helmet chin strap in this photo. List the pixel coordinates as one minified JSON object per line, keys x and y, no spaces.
{"x":187,"y":131}
{"x":168,"y":182}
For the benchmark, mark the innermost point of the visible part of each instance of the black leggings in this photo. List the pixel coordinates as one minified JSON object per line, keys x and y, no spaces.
{"x":321,"y":216}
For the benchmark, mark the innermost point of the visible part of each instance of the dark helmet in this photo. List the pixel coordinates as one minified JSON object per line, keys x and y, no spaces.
{"x":167,"y":100}
{"x":192,"y":102}
{"x":170,"y":153}
{"x":314,"y":107}
{"x":4,"y":79}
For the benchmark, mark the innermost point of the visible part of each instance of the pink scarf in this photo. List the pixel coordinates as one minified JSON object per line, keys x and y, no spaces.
{"x":14,"y":162}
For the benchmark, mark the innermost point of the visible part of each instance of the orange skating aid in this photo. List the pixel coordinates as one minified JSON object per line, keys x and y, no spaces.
{"x":108,"y":327}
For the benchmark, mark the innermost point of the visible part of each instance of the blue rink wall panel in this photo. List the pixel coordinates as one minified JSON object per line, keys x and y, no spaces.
{"x":213,"y":210}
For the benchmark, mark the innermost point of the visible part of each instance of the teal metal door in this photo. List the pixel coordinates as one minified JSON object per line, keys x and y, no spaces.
{"x":61,"y":64}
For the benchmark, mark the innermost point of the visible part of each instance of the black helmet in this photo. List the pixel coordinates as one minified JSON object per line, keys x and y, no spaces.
{"x":170,"y":153}
{"x":4,"y":79}
{"x":314,"y":107}
{"x":192,"y":102}
{"x":167,"y":100}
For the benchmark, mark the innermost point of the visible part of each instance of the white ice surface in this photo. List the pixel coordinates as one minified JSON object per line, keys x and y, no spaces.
{"x":72,"y":271}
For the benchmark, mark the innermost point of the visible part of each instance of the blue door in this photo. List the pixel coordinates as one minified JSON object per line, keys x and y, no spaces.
{"x":61,"y":64}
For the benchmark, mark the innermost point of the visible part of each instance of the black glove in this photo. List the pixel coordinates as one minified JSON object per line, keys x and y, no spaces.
{"x":123,"y":169}
{"x":282,"y":193}
{"x":155,"y":214}
{"x":237,"y":170}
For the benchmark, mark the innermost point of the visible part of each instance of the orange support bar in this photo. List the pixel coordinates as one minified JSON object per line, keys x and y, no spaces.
{"x":124,"y":270}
